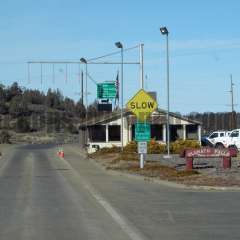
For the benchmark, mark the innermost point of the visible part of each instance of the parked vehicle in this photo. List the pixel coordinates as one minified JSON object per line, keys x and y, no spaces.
{"x":233,"y":140}
{"x":216,"y":139}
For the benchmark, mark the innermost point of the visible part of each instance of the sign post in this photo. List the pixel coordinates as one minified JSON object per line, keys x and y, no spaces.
{"x":142,"y":105}
{"x":142,"y":149}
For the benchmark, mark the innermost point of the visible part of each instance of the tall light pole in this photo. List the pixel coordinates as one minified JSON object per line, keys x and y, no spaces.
{"x":164,"y":31}
{"x":83,"y":60}
{"x":141,"y":66}
{"x":232,"y":102}
{"x":119,"y":45}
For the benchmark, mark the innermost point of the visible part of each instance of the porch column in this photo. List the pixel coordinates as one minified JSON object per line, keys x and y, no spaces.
{"x":107,"y":133}
{"x":164,"y":133}
{"x":129,"y":132}
{"x":184,"y":132}
{"x":199,"y":133}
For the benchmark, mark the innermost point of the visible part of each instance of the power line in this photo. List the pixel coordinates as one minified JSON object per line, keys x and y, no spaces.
{"x":113,"y":53}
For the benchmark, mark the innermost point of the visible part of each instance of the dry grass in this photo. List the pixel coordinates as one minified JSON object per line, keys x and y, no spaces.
{"x":129,"y":163}
{"x":156,"y":170}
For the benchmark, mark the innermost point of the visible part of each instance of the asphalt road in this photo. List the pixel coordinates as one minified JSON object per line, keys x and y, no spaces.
{"x":45,"y":197}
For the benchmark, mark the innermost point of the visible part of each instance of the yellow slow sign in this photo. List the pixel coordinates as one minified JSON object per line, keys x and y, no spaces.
{"x":142,"y":105}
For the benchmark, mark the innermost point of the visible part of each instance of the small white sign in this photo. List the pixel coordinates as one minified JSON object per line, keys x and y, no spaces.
{"x":142,"y":147}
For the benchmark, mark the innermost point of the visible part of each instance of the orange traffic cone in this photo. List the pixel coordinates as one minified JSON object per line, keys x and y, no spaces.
{"x":62,"y":154}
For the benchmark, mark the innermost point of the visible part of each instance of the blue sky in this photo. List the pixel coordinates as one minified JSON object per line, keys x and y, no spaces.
{"x":204,"y":46}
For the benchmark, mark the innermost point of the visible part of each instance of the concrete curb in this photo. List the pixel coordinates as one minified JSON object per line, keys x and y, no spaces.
{"x":164,"y":182}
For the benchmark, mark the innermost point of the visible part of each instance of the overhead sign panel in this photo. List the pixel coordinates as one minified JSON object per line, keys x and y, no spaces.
{"x":142,"y":105}
{"x":106,"y":90}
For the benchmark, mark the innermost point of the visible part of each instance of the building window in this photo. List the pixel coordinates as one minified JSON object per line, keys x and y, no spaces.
{"x":97,"y":133}
{"x":114,"y":133}
{"x":133,"y":132}
{"x":192,"y":132}
{"x":176,"y":132}
{"x":157,"y":132}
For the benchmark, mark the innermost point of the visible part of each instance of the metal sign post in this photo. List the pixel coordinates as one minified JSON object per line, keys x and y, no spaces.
{"x":142,"y":149}
{"x":142,"y":105}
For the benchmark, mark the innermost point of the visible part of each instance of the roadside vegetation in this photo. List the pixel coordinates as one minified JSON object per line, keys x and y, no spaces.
{"x":128,"y":160}
{"x":32,"y":112}
{"x":154,"y":147}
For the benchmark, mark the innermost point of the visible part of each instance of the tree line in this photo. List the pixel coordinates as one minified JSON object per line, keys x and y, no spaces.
{"x":217,"y":121}
{"x":24,"y":110}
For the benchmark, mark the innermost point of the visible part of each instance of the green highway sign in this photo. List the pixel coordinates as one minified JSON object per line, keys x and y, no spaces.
{"x":142,"y":131}
{"x":106,"y":90}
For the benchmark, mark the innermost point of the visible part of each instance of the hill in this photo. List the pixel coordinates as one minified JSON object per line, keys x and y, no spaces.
{"x":31,"y":111}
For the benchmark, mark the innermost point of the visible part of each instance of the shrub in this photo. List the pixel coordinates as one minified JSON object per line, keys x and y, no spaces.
{"x":4,"y":137}
{"x":131,"y":147}
{"x":156,"y":148}
{"x":180,"y":145}
{"x":22,"y":125}
{"x":72,"y":129}
{"x":113,"y":149}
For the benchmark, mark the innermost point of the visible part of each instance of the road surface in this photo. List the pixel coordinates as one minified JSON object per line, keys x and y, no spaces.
{"x":45,"y":197}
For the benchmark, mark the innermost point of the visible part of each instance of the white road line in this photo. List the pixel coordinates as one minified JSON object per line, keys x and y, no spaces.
{"x":134,"y":234}
{"x":131,"y":231}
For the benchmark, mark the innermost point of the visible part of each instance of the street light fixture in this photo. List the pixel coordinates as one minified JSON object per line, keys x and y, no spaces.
{"x":164,"y":31}
{"x":119,"y":45}
{"x":83,"y":60}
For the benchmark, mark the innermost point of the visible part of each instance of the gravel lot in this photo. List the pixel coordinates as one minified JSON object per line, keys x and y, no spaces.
{"x":207,"y":166}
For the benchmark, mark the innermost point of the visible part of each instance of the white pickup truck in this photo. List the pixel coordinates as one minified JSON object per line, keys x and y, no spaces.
{"x":225,"y":139}
{"x":233,"y":140}
{"x":218,"y":138}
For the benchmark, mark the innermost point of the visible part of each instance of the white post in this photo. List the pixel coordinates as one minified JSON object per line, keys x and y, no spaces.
{"x":141,"y":161}
{"x":199,"y":133}
{"x":184,"y":132}
{"x":107,"y":131}
{"x":164,"y":133}
{"x":129,"y":132}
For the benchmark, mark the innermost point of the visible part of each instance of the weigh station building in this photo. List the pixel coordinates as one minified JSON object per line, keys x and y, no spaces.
{"x":105,"y":131}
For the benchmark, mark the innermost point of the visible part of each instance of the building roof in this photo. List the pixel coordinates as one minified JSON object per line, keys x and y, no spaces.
{"x":157,"y":116}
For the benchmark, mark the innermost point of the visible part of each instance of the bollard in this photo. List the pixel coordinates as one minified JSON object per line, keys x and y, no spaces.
{"x":227,"y":162}
{"x":189,"y":163}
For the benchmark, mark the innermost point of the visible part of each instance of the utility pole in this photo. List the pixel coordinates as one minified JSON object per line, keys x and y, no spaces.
{"x":82,"y":88}
{"x":142,"y":87}
{"x":232,"y":103}
{"x":164,"y":31}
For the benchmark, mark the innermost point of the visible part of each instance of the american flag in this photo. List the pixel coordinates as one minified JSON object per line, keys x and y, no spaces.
{"x":117,"y":86}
